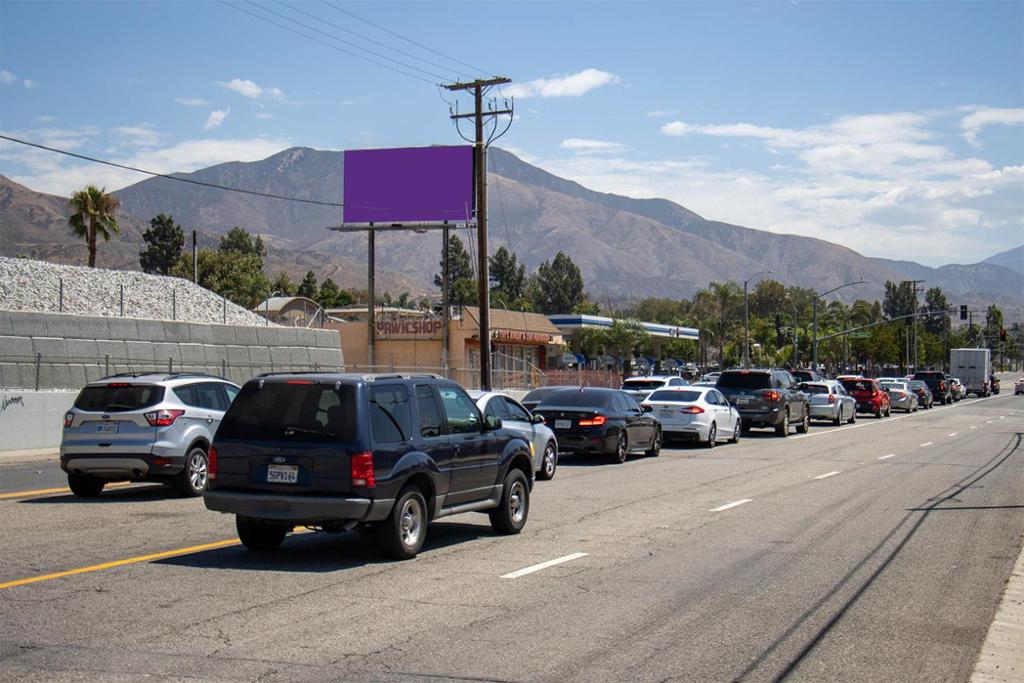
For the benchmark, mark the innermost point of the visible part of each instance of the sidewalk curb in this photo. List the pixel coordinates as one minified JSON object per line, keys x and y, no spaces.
{"x":1001,"y":659}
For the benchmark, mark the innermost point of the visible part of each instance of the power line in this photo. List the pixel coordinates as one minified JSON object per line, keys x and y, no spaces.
{"x":333,"y":47}
{"x":215,"y":186}
{"x":408,"y":40}
{"x":362,"y":37}
{"x":341,"y":40}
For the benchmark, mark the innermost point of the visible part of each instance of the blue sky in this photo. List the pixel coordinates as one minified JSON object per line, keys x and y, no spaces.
{"x":896,"y":129}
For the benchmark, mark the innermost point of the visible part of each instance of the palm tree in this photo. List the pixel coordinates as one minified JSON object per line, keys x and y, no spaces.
{"x":93,"y":214}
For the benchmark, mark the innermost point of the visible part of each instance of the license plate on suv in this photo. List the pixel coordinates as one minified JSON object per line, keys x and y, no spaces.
{"x":106,"y":428}
{"x":282,"y":474}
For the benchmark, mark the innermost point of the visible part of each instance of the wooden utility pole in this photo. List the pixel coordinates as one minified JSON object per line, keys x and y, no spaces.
{"x":478,"y":87}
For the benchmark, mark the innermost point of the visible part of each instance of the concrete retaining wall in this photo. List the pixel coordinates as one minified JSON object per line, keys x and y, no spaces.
{"x":54,"y":351}
{"x":32,"y":419}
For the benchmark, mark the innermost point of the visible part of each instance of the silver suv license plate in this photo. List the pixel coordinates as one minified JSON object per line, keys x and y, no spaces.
{"x":106,"y":428}
{"x":282,"y":474}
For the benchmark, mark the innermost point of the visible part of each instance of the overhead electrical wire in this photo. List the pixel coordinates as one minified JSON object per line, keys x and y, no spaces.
{"x":215,"y":186}
{"x":342,"y":40}
{"x":322,"y":42}
{"x":408,"y":40}
{"x":366,"y":38}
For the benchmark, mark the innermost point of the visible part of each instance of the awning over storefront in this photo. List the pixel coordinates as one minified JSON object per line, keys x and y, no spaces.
{"x":568,"y":323}
{"x":517,"y":327}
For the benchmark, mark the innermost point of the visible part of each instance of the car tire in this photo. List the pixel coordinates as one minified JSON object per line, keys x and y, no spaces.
{"x":655,"y":449}
{"x":621,"y":448}
{"x":402,"y":534}
{"x":712,"y":436}
{"x":853,"y":417}
{"x":878,"y":414}
{"x":783,"y":429}
{"x":514,"y":507}
{"x":258,"y":535}
{"x":838,"y":420}
{"x":548,"y":463}
{"x":888,"y":411}
{"x":736,"y":432}
{"x":805,"y":424}
{"x":85,"y":486}
{"x":194,"y":477}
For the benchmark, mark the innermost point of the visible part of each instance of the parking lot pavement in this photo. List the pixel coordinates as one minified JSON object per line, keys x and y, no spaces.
{"x":877,"y":551}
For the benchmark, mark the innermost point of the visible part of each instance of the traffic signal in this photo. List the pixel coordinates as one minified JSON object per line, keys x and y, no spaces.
{"x":963,"y":312}
{"x":1002,"y":334}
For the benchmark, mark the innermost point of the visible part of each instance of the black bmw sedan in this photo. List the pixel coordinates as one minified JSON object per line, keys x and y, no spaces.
{"x":594,"y":420}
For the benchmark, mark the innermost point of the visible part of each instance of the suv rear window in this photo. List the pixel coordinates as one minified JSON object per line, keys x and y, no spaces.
{"x":814,"y":388}
{"x":677,"y":396}
{"x":642,"y":384}
{"x":118,"y":397}
{"x":744,"y":380}
{"x":573,"y":398}
{"x":853,"y":385}
{"x":300,"y":412}
{"x":929,"y":375}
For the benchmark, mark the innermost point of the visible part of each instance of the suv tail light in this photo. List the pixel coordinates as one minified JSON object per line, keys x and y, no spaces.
{"x":595,"y":421}
{"x":211,"y":463}
{"x":163,"y":418}
{"x":831,"y":398}
{"x":68,"y":419}
{"x":692,"y":410}
{"x":362,"y":470}
{"x":942,"y":386}
{"x":771,"y":395}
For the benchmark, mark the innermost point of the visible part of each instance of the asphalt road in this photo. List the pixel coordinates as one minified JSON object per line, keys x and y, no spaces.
{"x":874,"y":552}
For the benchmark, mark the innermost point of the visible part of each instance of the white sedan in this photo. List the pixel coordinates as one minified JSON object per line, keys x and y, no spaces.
{"x":696,"y":413}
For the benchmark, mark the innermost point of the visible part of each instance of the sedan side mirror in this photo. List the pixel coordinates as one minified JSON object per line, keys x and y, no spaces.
{"x":537,"y":419}
{"x":491,"y":423}
{"x":646,"y":408}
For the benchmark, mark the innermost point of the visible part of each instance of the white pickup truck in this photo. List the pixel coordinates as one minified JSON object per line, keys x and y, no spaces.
{"x":972,"y":367}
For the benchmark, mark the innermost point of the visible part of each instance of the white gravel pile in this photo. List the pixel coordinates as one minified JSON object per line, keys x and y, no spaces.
{"x":29,"y":285}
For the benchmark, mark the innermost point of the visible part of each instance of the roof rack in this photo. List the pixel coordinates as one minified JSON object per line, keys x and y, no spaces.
{"x":368,"y":377}
{"x":164,"y":376}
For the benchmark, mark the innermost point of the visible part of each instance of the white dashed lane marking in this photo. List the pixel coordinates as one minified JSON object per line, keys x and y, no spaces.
{"x":731,"y":505}
{"x":543,"y":565}
{"x":886,"y":457}
{"x":952,"y":434}
{"x":827,"y":475}
{"x":926,"y":443}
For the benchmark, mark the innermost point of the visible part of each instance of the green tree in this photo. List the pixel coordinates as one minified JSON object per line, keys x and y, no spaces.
{"x":307,"y":287}
{"x":508,"y":278}
{"x":935,"y":302}
{"x":165,"y":239}
{"x":327,"y":295}
{"x":625,"y":338}
{"x":282,"y":283}
{"x":559,"y":286}
{"x":238,"y":277}
{"x":93,"y":215}
{"x":240,"y":241}
{"x":462,"y":289}
{"x":899,"y":299}
{"x":993,"y":324}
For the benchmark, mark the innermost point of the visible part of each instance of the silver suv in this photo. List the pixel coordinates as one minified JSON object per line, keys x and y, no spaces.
{"x":144,"y":427}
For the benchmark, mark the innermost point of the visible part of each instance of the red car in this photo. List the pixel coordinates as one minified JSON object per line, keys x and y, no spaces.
{"x":870,"y":397}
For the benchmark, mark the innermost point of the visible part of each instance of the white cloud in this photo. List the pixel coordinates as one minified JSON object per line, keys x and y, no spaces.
{"x":142,"y":135}
{"x":573,"y":85}
{"x":660,"y":113}
{"x":8,"y":78}
{"x":46,"y":119}
{"x":251,"y":90}
{"x":28,"y":83}
{"x":973,"y":123}
{"x":216,"y":118}
{"x":191,"y":101}
{"x":55,"y":174}
{"x":584,"y":145}
{"x":263,"y":116}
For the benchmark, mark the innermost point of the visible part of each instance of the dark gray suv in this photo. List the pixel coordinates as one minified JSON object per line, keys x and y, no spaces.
{"x":767,"y":398}
{"x":384,"y":453}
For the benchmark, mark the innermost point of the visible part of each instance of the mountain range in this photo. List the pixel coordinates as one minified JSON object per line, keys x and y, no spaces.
{"x":626,"y":248}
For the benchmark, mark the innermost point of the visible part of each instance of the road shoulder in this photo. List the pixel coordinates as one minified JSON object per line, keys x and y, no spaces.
{"x":1001,"y":659}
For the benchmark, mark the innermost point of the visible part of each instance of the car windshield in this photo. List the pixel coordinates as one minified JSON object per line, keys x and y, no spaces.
{"x":119,"y":397}
{"x":669,"y":395}
{"x":745,"y":380}
{"x":303,"y":412}
{"x":538,"y":394}
{"x":574,"y":398}
{"x":814,"y":389}
{"x":642,"y":384}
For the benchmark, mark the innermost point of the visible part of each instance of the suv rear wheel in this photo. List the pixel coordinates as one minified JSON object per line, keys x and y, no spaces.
{"x":192,"y":480}
{"x":84,"y":486}
{"x":805,"y":424}
{"x":783,"y":428}
{"x":259,"y":535}
{"x":513,"y":508}
{"x":403,"y":532}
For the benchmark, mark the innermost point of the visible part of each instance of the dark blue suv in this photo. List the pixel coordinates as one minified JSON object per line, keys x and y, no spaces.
{"x":387,"y":453}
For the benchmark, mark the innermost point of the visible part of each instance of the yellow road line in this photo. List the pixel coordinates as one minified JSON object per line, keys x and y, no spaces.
{"x":120,"y":563}
{"x":46,"y":492}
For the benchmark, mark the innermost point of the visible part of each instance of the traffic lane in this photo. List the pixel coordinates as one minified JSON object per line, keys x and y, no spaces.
{"x":630,"y":529}
{"x":28,"y":476}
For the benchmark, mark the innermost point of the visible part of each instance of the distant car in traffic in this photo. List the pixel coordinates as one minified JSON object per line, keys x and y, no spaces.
{"x":602,"y":421}
{"x":957,"y":389}
{"x":641,"y":387}
{"x":144,"y":427}
{"x":710,"y":377}
{"x":694,"y":413}
{"x":829,"y":401}
{"x":807,"y":375}
{"x":1018,"y":386}
{"x":938,"y":383}
{"x":994,"y":384}
{"x":900,"y":395}
{"x":925,"y":398}
{"x":530,"y":427}
{"x":766,"y":398}
{"x":870,"y":396}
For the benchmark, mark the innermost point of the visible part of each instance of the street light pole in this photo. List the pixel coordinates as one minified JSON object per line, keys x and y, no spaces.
{"x":814,"y":307}
{"x":746,"y":318}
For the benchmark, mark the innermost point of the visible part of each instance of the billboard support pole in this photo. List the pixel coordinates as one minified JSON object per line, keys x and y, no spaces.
{"x":371,"y":299}
{"x":444,"y":299}
{"x":478,"y":88}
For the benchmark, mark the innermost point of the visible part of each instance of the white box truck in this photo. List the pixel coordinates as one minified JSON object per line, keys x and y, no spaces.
{"x":972,"y":367}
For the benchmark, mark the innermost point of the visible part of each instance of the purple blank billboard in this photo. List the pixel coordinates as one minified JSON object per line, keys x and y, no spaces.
{"x":413,"y":184}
